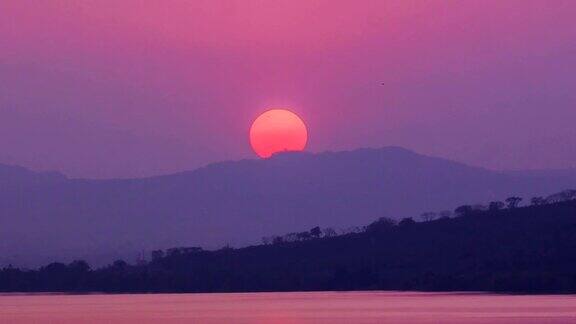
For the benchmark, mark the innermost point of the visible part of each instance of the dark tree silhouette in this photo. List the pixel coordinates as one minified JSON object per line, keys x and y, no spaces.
{"x":277,"y":240}
{"x":79,"y":266}
{"x":513,"y":202}
{"x":428,"y":216}
{"x":303,"y":236}
{"x":463,"y":210}
{"x":292,"y":237}
{"x":538,"y":201}
{"x":445,"y":214}
{"x":408,"y":221}
{"x":381,"y":225}
{"x":565,"y":195}
{"x":119,"y":264}
{"x":496,"y":205}
{"x":156,"y":255}
{"x":329,"y":232}
{"x":316,"y":232}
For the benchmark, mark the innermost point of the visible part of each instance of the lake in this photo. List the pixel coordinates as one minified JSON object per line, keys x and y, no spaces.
{"x":288,"y":308}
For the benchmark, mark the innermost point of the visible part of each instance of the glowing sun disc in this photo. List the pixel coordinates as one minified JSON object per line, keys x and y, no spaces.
{"x":278,"y":130}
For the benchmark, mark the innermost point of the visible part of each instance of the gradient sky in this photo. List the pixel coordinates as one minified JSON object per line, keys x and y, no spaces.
{"x":110,"y":88}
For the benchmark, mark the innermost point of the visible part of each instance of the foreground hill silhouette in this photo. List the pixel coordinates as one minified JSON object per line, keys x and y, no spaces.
{"x":530,"y":249}
{"x":46,"y":216}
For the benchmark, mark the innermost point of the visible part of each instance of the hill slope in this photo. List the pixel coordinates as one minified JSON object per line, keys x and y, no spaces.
{"x":531,"y":249}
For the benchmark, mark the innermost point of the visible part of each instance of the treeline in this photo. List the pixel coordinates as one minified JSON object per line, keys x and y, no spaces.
{"x":500,"y":246}
{"x":464,"y":210}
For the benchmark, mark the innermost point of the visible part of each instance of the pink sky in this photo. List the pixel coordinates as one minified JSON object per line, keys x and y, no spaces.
{"x":134,"y":88}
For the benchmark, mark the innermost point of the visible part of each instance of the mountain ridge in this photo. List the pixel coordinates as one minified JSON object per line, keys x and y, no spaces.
{"x":238,"y":202}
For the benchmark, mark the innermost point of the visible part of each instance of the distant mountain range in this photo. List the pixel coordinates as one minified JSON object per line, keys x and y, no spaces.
{"x":47,"y":216}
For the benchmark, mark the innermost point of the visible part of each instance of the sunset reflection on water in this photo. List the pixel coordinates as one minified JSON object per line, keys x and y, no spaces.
{"x":288,"y":308}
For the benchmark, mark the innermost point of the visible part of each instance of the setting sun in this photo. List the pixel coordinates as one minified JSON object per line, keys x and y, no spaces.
{"x":277,"y":130}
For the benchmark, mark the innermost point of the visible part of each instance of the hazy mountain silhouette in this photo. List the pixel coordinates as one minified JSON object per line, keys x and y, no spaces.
{"x":46,"y":216}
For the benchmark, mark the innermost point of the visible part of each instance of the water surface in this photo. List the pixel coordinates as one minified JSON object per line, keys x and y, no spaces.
{"x":288,"y":308}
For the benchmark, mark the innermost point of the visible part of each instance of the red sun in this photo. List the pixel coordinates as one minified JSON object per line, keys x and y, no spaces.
{"x":277,"y":130}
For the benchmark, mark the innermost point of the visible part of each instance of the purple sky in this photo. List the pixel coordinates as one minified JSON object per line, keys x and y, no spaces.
{"x":115,"y":88}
